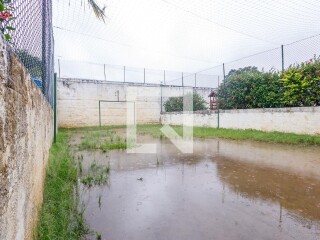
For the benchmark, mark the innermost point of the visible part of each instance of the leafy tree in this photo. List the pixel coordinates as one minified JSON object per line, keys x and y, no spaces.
{"x":190,"y":102}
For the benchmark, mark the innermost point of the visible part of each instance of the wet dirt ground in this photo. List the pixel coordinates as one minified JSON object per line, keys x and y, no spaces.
{"x":225,"y":190}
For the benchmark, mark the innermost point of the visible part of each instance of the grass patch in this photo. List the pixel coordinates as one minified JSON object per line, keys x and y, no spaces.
{"x":103,"y":139}
{"x":254,"y":135}
{"x":60,"y":216}
{"x":96,"y":128}
{"x":97,"y":175}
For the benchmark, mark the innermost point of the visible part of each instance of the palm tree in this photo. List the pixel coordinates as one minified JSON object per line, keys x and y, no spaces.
{"x":98,"y":11}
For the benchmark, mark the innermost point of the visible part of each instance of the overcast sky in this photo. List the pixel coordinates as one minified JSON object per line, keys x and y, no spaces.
{"x":184,"y":35}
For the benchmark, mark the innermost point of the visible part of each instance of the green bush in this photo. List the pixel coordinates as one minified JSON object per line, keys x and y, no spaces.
{"x":248,"y":87}
{"x":301,"y":84}
{"x":193,"y":102}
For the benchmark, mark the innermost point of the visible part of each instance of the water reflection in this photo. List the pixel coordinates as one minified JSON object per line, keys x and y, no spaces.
{"x":225,"y":190}
{"x":300,"y":194}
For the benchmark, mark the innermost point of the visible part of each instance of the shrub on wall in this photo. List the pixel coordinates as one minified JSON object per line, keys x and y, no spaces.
{"x":301,"y":84}
{"x":250,"y":88}
{"x":193,"y":102}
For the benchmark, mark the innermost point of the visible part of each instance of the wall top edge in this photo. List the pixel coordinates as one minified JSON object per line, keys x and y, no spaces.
{"x":77,"y":80}
{"x":256,"y":110}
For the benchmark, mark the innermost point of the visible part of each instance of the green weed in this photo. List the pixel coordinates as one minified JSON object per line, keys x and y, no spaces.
{"x":233,"y":134}
{"x":103,"y":140}
{"x":99,"y":200}
{"x":97,"y":175}
{"x":98,"y":236}
{"x":60,"y":215}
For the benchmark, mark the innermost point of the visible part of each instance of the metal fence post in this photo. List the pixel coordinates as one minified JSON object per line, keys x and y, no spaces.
{"x":161,"y":98}
{"x":224,"y":75}
{"x":164,"y":77}
{"x":59,"y":67}
{"x":44,"y":47}
{"x":99,"y":113}
{"x":282,"y":57}
{"x":182,"y":80}
{"x":218,"y":105}
{"x":195,"y":80}
{"x":124,"y":73}
{"x":55,"y":108}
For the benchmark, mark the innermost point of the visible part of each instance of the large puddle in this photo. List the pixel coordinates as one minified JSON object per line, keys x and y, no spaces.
{"x":225,"y":190}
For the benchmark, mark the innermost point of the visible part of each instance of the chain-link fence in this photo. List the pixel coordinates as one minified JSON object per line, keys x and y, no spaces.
{"x":280,"y":58}
{"x":287,"y":76}
{"x":114,"y":73}
{"x":32,"y":40}
{"x":276,"y":59}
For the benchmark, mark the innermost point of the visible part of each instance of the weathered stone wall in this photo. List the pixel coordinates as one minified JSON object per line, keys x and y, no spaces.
{"x":302,"y":120}
{"x":78,"y":101}
{"x":26,"y":132}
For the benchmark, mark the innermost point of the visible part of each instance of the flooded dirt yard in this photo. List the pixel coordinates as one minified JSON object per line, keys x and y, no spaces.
{"x":225,"y":190}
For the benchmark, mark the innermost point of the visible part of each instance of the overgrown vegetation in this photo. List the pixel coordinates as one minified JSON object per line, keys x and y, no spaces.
{"x":206,"y":132}
{"x":189,"y":102}
{"x":248,"y":87}
{"x":301,"y":84}
{"x":255,"y":135}
{"x":103,"y":140}
{"x":96,"y":175}
{"x":61,"y":216}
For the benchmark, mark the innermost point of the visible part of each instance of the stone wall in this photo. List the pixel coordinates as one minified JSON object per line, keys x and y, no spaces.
{"x":302,"y":120}
{"x":78,"y":101}
{"x":26,"y":132}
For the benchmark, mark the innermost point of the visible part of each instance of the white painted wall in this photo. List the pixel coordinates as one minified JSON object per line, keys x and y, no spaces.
{"x":201,"y":119}
{"x":78,"y":101}
{"x":78,"y":106}
{"x":296,"y":120}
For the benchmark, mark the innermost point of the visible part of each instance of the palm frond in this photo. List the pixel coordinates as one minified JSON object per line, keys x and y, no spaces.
{"x":98,"y":11}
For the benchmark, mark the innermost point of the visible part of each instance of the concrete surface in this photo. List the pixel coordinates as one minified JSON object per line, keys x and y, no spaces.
{"x":26,"y":132}
{"x":78,"y":101}
{"x":301,"y":120}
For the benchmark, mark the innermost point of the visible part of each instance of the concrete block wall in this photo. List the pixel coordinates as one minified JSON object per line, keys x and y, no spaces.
{"x":301,"y":120}
{"x":200,"y":118}
{"x":26,"y":133}
{"x":78,"y":101}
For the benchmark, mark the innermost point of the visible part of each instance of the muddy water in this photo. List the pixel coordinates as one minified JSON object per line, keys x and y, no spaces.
{"x":225,"y":190}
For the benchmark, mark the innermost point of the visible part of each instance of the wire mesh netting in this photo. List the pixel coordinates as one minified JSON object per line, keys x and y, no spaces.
{"x":301,"y":51}
{"x":32,"y":40}
{"x":276,"y":60}
{"x":264,"y":61}
{"x":280,"y":58}
{"x":114,"y":73}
